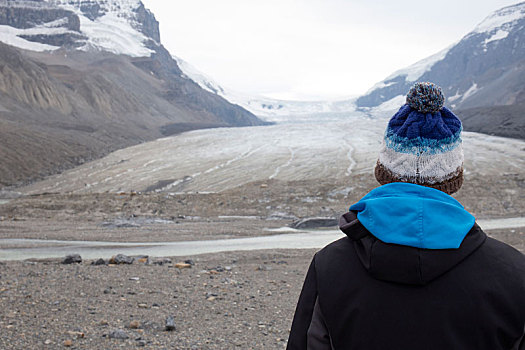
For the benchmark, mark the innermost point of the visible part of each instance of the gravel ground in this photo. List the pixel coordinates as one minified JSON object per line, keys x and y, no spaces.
{"x":176,"y":230}
{"x":231,"y":300}
{"x":241,"y":300}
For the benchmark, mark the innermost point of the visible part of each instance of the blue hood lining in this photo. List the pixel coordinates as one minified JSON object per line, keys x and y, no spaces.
{"x":414,"y":215}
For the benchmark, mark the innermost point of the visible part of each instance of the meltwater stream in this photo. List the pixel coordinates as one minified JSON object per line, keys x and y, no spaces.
{"x":34,"y":248}
{"x":93,"y":250}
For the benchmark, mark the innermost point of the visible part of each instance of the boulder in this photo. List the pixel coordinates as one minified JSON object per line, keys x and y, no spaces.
{"x":72,"y":259}
{"x":121,"y":259}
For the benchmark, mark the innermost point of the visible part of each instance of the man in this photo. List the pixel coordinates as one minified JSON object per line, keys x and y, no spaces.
{"x":415,"y":271}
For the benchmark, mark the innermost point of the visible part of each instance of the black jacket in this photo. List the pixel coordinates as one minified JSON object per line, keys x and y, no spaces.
{"x":362,"y":293}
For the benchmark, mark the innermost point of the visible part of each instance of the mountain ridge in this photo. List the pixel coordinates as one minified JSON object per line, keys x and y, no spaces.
{"x":82,"y":101}
{"x":485,"y":69}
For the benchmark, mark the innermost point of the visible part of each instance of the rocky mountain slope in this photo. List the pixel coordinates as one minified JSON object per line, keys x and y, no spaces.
{"x":482,"y":75}
{"x":82,"y":78}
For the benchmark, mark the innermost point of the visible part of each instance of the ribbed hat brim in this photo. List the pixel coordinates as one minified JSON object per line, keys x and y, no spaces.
{"x":451,"y":185}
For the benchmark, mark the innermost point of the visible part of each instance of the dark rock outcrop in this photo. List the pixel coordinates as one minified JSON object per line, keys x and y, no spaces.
{"x":91,"y":10}
{"x":27,"y":14}
{"x":26,"y":17}
{"x":68,"y":40}
{"x":149,"y":25}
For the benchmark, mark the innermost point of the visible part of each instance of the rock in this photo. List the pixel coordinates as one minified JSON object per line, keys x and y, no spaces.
{"x":118,"y":334}
{"x":134,"y":324}
{"x":76,"y":334}
{"x":98,"y":262}
{"x":170,"y":323}
{"x":72,"y":259}
{"x":141,"y":343}
{"x":47,"y":341}
{"x":141,"y":258}
{"x":189,"y":261}
{"x":68,"y":343}
{"x":162,"y":261}
{"x":143,"y":306}
{"x":121,"y":259}
{"x":104,"y":323}
{"x":263,"y":268}
{"x":181,"y":265}
{"x":314,"y":223}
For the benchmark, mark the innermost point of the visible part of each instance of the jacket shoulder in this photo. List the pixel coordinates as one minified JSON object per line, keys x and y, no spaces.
{"x":503,"y":257}
{"x":341,"y":246}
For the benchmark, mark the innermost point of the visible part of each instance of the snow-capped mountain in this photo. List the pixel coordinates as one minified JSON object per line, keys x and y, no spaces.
{"x":485,"y":68}
{"x":85,"y":77}
{"x":116,"y":26}
{"x":267,"y":108}
{"x":124,"y":27}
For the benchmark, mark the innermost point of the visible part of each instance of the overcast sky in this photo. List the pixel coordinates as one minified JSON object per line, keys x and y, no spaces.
{"x":311,"y":49}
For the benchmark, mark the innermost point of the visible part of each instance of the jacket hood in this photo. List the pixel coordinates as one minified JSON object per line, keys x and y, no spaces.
{"x":410,"y":234}
{"x":414,"y":215}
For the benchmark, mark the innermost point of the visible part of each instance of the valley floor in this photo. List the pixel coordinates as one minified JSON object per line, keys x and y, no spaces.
{"x":242,"y":300}
{"x":236,"y":299}
{"x":239,"y":299}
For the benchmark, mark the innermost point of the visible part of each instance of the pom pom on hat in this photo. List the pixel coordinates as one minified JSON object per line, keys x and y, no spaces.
{"x":425,"y":98}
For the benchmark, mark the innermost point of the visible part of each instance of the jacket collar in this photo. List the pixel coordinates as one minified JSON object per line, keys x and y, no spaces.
{"x":404,"y":264}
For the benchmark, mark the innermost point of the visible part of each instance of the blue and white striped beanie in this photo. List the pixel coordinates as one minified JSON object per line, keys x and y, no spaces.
{"x":422,"y":143}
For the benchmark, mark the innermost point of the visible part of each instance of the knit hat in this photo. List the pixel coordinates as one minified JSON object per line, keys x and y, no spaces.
{"x":422,"y":143}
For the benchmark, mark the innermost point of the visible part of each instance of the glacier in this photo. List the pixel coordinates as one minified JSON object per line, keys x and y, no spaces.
{"x":214,"y":160}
